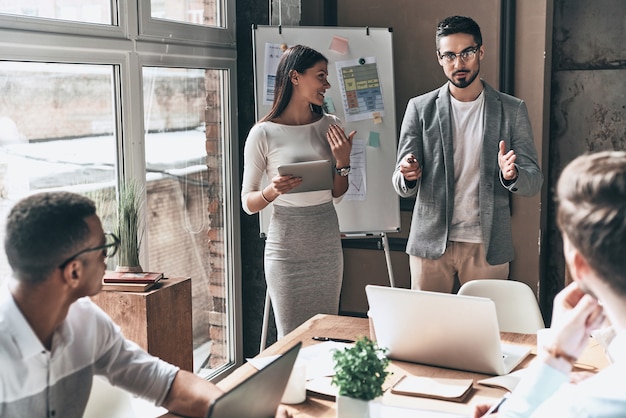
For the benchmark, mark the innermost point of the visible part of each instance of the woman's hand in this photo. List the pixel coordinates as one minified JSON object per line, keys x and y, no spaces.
{"x":280,"y":185}
{"x":340,"y":144}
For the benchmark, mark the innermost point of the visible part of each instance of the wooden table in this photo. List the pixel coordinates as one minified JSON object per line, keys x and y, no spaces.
{"x":352,"y":328}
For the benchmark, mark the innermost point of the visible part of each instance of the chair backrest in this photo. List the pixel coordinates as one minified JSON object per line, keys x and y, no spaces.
{"x":516,"y":304}
{"x":107,"y":401}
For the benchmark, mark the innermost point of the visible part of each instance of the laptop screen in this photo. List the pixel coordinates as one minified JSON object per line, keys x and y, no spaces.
{"x":440,"y":329}
{"x":259,"y":395}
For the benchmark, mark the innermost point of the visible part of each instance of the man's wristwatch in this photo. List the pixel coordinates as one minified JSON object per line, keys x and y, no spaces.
{"x":344,"y":171}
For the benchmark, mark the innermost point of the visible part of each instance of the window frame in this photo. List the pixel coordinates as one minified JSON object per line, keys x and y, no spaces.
{"x":154,"y":29}
{"x":128,"y":51}
{"x":119,"y":21}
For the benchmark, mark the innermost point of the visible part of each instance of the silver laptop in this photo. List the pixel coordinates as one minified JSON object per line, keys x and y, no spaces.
{"x":259,"y":395}
{"x":441,"y":329}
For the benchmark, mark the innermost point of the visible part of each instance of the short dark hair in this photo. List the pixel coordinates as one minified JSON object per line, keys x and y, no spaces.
{"x":458,"y":24}
{"x":44,"y":229}
{"x":297,"y":58}
{"x":591,"y":194}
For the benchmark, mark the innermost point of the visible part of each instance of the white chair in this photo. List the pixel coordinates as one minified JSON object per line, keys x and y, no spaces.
{"x":108,"y":401}
{"x":516,"y":304}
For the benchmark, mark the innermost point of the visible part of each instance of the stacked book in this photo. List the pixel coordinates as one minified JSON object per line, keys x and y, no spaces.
{"x":130,"y":282}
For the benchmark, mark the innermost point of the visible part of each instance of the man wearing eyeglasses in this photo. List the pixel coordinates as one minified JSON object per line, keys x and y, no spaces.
{"x":463,"y":149}
{"x":54,"y":339}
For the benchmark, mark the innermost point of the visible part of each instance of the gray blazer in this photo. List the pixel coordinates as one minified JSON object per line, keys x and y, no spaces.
{"x":427,"y":133}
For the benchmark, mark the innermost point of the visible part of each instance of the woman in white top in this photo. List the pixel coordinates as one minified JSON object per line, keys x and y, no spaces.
{"x":303,"y":255}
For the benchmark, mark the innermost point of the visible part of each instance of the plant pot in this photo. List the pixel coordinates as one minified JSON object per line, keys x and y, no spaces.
{"x":129,"y":269}
{"x":348,"y":407}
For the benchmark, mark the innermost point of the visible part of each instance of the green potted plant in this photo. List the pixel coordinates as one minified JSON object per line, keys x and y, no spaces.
{"x":360,"y":372}
{"x":127,"y":227}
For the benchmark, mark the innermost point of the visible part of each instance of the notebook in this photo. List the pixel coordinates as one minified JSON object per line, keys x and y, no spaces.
{"x":441,"y":329}
{"x":259,"y":395}
{"x":316,"y":175}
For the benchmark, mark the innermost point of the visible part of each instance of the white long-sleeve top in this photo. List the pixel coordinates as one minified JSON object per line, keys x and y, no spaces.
{"x":271,"y":144}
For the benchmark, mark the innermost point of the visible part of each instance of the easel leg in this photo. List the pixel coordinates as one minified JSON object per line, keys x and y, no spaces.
{"x":266,"y":319}
{"x":385,"y":241}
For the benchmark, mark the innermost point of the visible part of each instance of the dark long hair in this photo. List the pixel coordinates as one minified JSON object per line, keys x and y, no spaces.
{"x":297,"y":58}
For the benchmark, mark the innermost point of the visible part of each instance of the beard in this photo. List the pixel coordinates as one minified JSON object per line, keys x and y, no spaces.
{"x":465,"y":81}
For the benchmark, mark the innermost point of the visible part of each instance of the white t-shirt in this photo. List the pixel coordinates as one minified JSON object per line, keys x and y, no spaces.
{"x":271,"y":144}
{"x":467,"y":133}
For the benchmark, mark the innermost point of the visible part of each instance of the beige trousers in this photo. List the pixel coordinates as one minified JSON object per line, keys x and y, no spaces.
{"x":462,"y":260}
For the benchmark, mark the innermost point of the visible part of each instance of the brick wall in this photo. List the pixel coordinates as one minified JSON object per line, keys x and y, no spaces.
{"x":217,"y":277}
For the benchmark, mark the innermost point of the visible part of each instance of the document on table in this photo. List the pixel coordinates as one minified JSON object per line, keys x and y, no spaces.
{"x":318,"y":359}
{"x":507,"y":381}
{"x":319,"y":365}
{"x":380,"y":410}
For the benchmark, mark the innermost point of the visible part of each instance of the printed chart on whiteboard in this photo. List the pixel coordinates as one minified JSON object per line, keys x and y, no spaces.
{"x":357,"y":187}
{"x":360,"y":89}
{"x":273,"y":52}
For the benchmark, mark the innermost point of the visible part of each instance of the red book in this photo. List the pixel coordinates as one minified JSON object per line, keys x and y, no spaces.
{"x":126,"y":277}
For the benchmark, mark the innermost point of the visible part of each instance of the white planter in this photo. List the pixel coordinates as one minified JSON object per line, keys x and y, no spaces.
{"x":348,"y":407}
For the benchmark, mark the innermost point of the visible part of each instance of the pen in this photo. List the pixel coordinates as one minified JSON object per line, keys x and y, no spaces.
{"x":337,"y":340}
{"x":494,"y":408}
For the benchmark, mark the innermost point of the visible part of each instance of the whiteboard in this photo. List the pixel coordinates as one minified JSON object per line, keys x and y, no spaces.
{"x":376,"y":208}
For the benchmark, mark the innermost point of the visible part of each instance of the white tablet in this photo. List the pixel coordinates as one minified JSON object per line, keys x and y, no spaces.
{"x":316,"y":175}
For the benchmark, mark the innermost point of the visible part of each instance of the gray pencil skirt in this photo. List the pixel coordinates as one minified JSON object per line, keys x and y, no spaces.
{"x":303,"y":263}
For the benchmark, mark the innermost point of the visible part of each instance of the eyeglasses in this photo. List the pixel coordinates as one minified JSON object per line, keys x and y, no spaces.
{"x":465,"y":55}
{"x":108,"y":249}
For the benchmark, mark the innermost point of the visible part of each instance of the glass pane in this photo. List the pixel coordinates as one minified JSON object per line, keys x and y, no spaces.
{"x":184,"y":120}
{"x":57,"y":131}
{"x":197,"y":12}
{"x":84,"y":11}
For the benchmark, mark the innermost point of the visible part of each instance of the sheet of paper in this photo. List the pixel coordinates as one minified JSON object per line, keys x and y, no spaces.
{"x":273,"y":52}
{"x":318,"y":359}
{"x":508,"y":381}
{"x":361,"y":93}
{"x":380,"y":410}
{"x":357,"y":187}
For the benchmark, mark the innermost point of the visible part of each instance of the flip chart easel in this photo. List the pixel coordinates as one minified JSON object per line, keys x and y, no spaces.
{"x":362,"y":95}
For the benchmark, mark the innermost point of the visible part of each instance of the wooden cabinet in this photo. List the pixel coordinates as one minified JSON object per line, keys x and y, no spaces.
{"x":159,"y":320}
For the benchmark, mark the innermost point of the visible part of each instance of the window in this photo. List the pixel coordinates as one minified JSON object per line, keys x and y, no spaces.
{"x":87,"y":109}
{"x":197,"y":12}
{"x":93,"y":11}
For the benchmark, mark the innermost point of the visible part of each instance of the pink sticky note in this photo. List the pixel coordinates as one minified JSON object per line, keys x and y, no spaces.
{"x":339,"y":45}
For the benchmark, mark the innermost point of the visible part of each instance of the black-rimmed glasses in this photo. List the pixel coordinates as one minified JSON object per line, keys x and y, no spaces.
{"x":112,"y":243}
{"x":466,"y":55}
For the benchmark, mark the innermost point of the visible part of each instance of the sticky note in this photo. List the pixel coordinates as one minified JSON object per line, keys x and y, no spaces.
{"x":339,"y":45}
{"x":374,"y":139}
{"x":329,"y":106}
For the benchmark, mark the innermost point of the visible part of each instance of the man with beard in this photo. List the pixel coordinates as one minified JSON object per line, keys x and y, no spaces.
{"x":463,"y":149}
